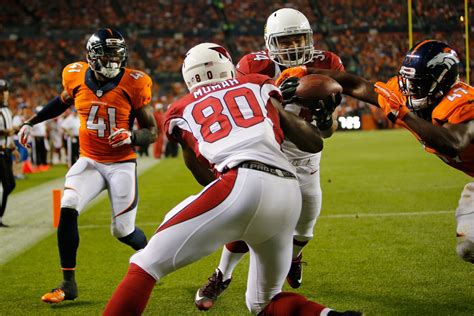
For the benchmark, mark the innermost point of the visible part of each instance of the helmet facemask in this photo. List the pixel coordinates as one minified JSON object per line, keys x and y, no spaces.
{"x":422,"y":92}
{"x":291,"y":50}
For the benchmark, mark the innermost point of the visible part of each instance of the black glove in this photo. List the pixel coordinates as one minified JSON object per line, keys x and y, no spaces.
{"x":288,"y":89}
{"x":322,"y":112}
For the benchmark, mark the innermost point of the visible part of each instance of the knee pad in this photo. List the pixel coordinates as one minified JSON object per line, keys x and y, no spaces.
{"x":70,"y":199}
{"x":465,"y":249}
{"x":123,"y":183}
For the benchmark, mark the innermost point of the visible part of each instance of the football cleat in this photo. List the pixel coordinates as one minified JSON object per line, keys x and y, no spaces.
{"x":295,"y":275}
{"x":66,"y":291}
{"x":207,"y":295}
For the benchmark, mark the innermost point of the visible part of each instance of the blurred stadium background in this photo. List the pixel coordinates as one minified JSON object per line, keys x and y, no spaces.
{"x":38,"y":38}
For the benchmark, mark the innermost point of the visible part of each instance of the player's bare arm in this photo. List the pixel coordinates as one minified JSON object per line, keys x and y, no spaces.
{"x":304,"y":135}
{"x":353,"y":85}
{"x":203,"y":175}
{"x":449,"y":139}
{"x":148,"y":129}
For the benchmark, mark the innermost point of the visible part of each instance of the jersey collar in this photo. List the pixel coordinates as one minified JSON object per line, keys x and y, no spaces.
{"x":100,"y":91}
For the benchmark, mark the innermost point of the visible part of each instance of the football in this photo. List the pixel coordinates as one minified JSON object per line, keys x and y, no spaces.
{"x":315,"y":87}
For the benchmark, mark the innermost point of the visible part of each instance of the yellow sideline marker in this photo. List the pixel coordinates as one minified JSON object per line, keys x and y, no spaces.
{"x":56,"y":207}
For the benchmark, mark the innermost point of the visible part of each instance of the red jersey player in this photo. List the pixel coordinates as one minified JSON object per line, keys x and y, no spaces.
{"x":235,"y":127}
{"x":289,"y":43}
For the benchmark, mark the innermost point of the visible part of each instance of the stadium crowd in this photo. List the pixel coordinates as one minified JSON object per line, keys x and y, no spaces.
{"x":36,"y":45}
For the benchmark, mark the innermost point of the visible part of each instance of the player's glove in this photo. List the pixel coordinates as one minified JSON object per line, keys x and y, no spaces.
{"x":120,"y":137}
{"x":288,"y":89}
{"x":24,"y":133}
{"x":323,"y":110}
{"x":395,"y":107}
{"x":298,"y":72}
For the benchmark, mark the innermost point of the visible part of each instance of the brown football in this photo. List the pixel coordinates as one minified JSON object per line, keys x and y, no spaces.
{"x":315,"y":87}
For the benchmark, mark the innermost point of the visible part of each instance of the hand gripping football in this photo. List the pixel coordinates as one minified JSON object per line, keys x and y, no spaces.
{"x":312,"y":88}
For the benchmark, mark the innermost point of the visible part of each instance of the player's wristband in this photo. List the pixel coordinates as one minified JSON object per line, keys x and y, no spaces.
{"x":324,"y":125}
{"x":142,"y":137}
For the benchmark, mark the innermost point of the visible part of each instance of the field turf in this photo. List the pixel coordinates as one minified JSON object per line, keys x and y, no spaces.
{"x":384,"y":245}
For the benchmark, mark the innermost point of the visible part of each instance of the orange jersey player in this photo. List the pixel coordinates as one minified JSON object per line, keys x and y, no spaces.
{"x":428,"y":99}
{"x":103,"y":109}
{"x":456,"y":108}
{"x":108,"y":98}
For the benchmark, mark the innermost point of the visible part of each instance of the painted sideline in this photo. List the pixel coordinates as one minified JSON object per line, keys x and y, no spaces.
{"x":355,"y":216}
{"x":29,"y":214}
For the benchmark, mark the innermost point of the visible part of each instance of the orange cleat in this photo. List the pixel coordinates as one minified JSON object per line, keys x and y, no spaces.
{"x":66,"y":291}
{"x":54,"y":297}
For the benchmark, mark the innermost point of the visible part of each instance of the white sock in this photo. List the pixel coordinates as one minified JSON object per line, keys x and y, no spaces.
{"x":229,"y":261}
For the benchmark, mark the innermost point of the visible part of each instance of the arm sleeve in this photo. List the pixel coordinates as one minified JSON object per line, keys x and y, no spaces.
{"x":53,"y":108}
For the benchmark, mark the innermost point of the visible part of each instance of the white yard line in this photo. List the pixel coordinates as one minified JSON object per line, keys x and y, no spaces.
{"x":29,"y":214}
{"x":362,"y":215}
{"x":396,"y":214}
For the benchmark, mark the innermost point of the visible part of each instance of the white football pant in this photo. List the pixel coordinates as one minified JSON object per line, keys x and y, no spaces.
{"x":465,"y":224}
{"x":87,"y":178}
{"x":308,"y":177}
{"x":243,"y":204}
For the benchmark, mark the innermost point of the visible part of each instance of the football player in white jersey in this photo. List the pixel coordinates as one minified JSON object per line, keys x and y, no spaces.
{"x":233,"y":127}
{"x":289,"y":43}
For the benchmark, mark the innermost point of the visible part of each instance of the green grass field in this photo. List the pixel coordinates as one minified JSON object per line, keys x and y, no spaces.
{"x":374,"y":250}
{"x":34,"y":179}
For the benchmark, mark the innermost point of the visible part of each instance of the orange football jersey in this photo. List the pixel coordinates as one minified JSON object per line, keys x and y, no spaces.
{"x":103,"y":108}
{"x":456,"y":107}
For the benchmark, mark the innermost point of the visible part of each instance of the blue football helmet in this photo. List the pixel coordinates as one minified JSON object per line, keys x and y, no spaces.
{"x":428,"y":72}
{"x":107,"y":52}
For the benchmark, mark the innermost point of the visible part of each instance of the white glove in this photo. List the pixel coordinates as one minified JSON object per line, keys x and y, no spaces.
{"x":24,"y":134}
{"x":120,"y":137}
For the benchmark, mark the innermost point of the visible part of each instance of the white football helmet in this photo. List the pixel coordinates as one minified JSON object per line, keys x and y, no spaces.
{"x":207,"y":63}
{"x":289,"y":22}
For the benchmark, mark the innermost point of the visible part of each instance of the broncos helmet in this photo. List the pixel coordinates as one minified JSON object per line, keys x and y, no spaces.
{"x":428,"y":72}
{"x":106,"y":52}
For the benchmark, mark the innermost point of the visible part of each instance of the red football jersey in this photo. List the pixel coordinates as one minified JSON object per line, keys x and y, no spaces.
{"x":103,"y":108}
{"x":229,"y":122}
{"x":455,"y":108}
{"x":260,"y":63}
